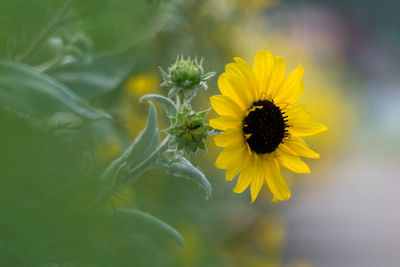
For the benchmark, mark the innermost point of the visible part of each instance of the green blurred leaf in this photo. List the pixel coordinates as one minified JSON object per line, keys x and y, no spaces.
{"x":169,"y":106}
{"x":102,"y":250}
{"x":103,"y":74}
{"x":125,"y":23}
{"x":181,"y":167}
{"x":35,"y":93}
{"x":22,"y":21}
{"x":131,"y":221}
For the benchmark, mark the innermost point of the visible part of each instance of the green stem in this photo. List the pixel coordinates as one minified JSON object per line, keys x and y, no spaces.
{"x":178,"y":103}
{"x":46,"y":32}
{"x":181,"y":97}
{"x":51,"y":64}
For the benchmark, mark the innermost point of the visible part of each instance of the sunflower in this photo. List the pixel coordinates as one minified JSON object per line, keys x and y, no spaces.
{"x":262,"y":124}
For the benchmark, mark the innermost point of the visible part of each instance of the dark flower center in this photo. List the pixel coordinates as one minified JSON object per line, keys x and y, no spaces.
{"x":266,"y":125}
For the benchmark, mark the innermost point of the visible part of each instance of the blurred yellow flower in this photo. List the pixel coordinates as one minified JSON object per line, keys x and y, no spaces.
{"x":122,"y":199}
{"x":262,"y":124}
{"x":108,"y":148}
{"x":131,"y":110}
{"x":256,"y":4}
{"x":260,"y":244}
{"x":194,"y":250}
{"x":300,"y":263}
{"x":142,"y":84}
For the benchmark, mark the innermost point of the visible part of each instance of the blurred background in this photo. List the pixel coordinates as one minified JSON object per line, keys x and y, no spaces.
{"x":108,"y":52}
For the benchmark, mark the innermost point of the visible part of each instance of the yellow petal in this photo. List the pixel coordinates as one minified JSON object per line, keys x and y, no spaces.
{"x":225,"y":122}
{"x":275,"y":180}
{"x":305,"y":128}
{"x":291,"y":88}
{"x":297,"y":146}
{"x":232,"y":87}
{"x":258,"y":180}
{"x":245,"y":177}
{"x":226,"y":156}
{"x":296,"y":112}
{"x":277,"y":74}
{"x":236,"y":76}
{"x":248,"y":76}
{"x":237,"y":164}
{"x":292,"y":162}
{"x":262,"y":68}
{"x":224,"y":105}
{"x":228,"y":137}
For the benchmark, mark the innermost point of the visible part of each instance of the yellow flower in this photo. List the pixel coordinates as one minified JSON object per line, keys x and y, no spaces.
{"x":262,"y":124}
{"x":142,"y":84}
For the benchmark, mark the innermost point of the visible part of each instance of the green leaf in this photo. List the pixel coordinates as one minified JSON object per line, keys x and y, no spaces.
{"x":102,"y":75}
{"x":131,"y":221}
{"x":140,"y":149}
{"x":124,"y":23}
{"x":35,"y":93}
{"x":87,"y":162}
{"x":21,"y":23}
{"x":169,"y":106}
{"x":182,"y":167}
{"x":102,"y":250}
{"x":147,"y":141}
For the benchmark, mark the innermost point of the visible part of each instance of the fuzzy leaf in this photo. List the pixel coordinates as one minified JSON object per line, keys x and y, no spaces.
{"x":140,"y":149}
{"x":169,"y":106}
{"x":147,"y":141}
{"x":130,"y":221}
{"x":183,"y":168}
{"x":35,"y":93}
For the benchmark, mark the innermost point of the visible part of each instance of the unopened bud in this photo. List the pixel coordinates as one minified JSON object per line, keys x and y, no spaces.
{"x":185,"y":75}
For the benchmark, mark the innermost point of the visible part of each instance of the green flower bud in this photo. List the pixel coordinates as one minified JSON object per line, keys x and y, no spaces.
{"x":185,"y":75}
{"x":189,"y":130}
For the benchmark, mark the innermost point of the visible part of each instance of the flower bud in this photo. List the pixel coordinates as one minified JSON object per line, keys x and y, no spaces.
{"x":185,"y":75}
{"x":189,"y":130}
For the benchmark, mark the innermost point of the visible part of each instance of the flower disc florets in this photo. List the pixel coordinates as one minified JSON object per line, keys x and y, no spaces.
{"x":189,"y":130}
{"x":266,"y":127}
{"x":185,"y":75}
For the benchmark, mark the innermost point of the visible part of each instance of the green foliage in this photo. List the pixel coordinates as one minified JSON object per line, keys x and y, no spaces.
{"x":114,"y":25}
{"x":180,"y":167}
{"x":42,"y":190}
{"x":63,"y":65}
{"x":34,"y":93}
{"x":22,"y":22}
{"x":100,"y":75}
{"x":55,"y":207}
{"x":168,"y":105}
{"x":131,"y":221}
{"x":124,"y":170}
